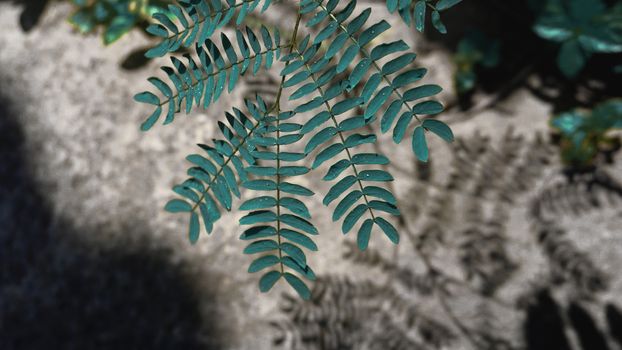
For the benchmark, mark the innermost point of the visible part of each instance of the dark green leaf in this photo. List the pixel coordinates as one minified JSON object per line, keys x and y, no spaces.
{"x":362,"y":238}
{"x":445,"y":4}
{"x":439,"y":128}
{"x":257,"y":217}
{"x":298,"y":238}
{"x":369,"y":158}
{"x":571,"y":58}
{"x":419,"y":144}
{"x":262,"y":202}
{"x":193,"y":232}
{"x":383,"y":50}
{"x":339,"y":188}
{"x":437,"y":23}
{"x":327,"y":153}
{"x":261,"y":246}
{"x":295,"y":189}
{"x":350,"y":220}
{"x":263,"y":262}
{"x":379,"y":192}
{"x":260,"y":185}
{"x":420,"y":8}
{"x":346,"y":203}
{"x":178,"y":206}
{"x":375,"y":175}
{"x":389,"y":230}
{"x":295,"y":206}
{"x":268,"y":280}
{"x":336,"y":169}
{"x":384,"y":206}
{"x":305,"y":271}
{"x":428,"y":107}
{"x":296,"y":253}
{"x":258,"y":232}
{"x":372,"y":32}
{"x":421,"y":92}
{"x":299,"y":286}
{"x":298,"y":223}
{"x":147,"y":97}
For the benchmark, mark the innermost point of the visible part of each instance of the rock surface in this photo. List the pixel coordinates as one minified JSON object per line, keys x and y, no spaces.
{"x":90,"y":259}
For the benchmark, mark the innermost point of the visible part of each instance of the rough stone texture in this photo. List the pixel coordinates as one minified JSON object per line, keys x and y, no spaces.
{"x":90,"y":259}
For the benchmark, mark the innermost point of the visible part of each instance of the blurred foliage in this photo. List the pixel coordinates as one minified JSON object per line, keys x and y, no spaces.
{"x":581,"y":27}
{"x":574,"y":29}
{"x":586,"y":134}
{"x":114,"y":17}
{"x":475,"y":49}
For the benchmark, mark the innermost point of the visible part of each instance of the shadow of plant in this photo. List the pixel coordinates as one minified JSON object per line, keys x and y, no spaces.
{"x":463,"y":287}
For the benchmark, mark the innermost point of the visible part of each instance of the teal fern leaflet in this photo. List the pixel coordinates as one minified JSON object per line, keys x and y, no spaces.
{"x":321,"y":140}
{"x":414,"y":12}
{"x":342,"y":84}
{"x":207,"y":80}
{"x":213,"y":179}
{"x":198,"y":20}
{"x":280,"y":221}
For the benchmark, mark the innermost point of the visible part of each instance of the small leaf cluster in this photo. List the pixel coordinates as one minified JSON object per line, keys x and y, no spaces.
{"x":474,"y":50}
{"x":582,"y":28}
{"x":585,"y":134}
{"x":414,"y":12}
{"x":114,"y":17}
{"x":339,"y":82}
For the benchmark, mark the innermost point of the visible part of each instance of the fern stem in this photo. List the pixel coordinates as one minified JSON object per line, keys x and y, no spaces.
{"x":203,"y":78}
{"x":277,"y":107}
{"x":222,"y":167}
{"x":367,"y":55}
{"x":340,"y":133}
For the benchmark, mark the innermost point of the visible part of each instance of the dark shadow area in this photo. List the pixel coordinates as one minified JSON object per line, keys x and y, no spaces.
{"x":57,"y":292}
{"x":585,"y":327}
{"x":614,"y":322}
{"x":523,"y":54}
{"x":32,"y":10}
{"x":544,"y":326}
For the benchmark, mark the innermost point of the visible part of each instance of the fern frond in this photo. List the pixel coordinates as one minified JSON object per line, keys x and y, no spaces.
{"x":213,"y":175}
{"x":386,"y":201}
{"x":340,"y":72}
{"x":280,"y":221}
{"x":207,"y":79}
{"x":380,"y":89}
{"x":197,"y":22}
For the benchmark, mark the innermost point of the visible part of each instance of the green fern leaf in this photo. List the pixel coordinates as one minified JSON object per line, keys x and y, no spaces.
{"x":268,"y":280}
{"x":326,"y":133}
{"x":299,"y":286}
{"x":205,"y":81}
{"x":213,"y":177}
{"x":374,"y":94}
{"x":268,"y":211}
{"x":197,"y":20}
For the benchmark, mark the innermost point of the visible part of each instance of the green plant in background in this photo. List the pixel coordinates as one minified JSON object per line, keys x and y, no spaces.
{"x":115,"y":17}
{"x":414,"y":12}
{"x":582,"y":27}
{"x":475,"y":49}
{"x":338,"y":81}
{"x":585,"y":134}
